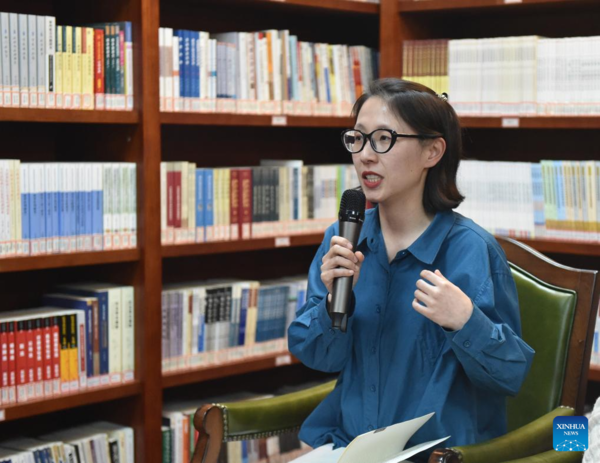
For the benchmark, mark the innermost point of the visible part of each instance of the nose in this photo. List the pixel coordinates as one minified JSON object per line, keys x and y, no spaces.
{"x":368,"y":155}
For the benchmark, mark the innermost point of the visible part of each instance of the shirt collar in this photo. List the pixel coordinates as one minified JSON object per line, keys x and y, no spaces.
{"x":425,"y":248}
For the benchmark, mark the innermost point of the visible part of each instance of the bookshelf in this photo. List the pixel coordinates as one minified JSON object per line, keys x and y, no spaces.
{"x":147,"y":137}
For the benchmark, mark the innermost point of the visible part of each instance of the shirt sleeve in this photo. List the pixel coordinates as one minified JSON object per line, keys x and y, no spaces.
{"x":489,"y":346}
{"x":310,"y":336}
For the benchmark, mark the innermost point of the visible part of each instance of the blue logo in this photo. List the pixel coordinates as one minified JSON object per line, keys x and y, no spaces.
{"x":570,"y":434}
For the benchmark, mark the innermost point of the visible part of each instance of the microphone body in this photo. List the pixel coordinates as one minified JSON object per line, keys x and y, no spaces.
{"x":351,"y":217}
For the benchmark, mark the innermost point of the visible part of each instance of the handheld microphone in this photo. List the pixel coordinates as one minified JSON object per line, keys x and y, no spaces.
{"x":351,"y":218}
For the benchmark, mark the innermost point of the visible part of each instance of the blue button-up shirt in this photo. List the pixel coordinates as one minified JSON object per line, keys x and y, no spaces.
{"x":394,"y":363}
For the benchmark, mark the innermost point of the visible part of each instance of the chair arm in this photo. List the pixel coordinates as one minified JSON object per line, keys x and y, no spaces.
{"x":531,"y":439}
{"x":252,"y":419}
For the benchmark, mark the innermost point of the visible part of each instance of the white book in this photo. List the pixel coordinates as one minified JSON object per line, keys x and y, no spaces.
{"x":162,"y":69}
{"x":23,"y":61}
{"x":52,"y":240}
{"x":15,"y":80}
{"x":132,"y":168}
{"x":163,"y":202}
{"x":41,"y":60}
{"x":177,"y":102}
{"x":123,"y":434}
{"x":32,"y":49}
{"x":107,"y":187}
{"x":128,"y":333}
{"x":168,"y":68}
{"x":129,"y":87}
{"x":191,"y":199}
{"x":117,"y":212}
{"x":49,"y":61}
{"x":5,"y":87}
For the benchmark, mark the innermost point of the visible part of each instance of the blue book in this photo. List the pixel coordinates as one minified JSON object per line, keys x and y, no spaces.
{"x":97,"y":207}
{"x":55,"y":210}
{"x":47,"y":201}
{"x":62,"y":208}
{"x":41,"y":207}
{"x":73,"y":212}
{"x":25,"y":206}
{"x":86,"y":304}
{"x":195,"y":68}
{"x":103,"y":326}
{"x":200,"y":232}
{"x":32,"y":175}
{"x":179,"y":34}
{"x":243,"y":316}
{"x":187,"y":38}
{"x":560,"y":193}
{"x":295,"y":83}
{"x":209,"y":204}
{"x":89,"y":207}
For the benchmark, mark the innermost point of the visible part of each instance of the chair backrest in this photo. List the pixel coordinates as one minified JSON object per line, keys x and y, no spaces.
{"x":558,"y":309}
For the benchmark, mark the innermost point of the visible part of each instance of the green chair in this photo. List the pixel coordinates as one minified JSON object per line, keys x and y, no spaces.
{"x":558,"y":310}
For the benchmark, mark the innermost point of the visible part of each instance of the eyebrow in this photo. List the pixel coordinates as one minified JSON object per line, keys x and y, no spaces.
{"x":362,"y":127}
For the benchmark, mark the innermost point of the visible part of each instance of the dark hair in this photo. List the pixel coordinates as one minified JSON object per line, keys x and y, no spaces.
{"x":426,"y":113}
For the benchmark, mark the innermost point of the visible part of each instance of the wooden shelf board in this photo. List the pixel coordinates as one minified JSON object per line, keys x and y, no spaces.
{"x":221,"y":247}
{"x":19,"y":264}
{"x":548,"y":122}
{"x":252,"y":120}
{"x":563,"y":247}
{"x":67,"y":401}
{"x":594,"y":374}
{"x":344,"y":6}
{"x":69,"y":116}
{"x":239,"y":367}
{"x":406,"y":6}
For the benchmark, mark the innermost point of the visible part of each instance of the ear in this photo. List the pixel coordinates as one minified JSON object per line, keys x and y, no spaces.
{"x":434,"y":151}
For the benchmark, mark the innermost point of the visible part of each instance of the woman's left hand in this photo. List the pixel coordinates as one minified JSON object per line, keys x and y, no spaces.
{"x":445,"y":303}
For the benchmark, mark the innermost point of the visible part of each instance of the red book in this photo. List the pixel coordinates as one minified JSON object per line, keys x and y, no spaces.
{"x":47,"y":356}
{"x":99,"y":68}
{"x":29,"y":329}
{"x":56,"y":355}
{"x":22,"y":363}
{"x":12,"y":363}
{"x":170,"y":196}
{"x":245,"y":203}
{"x":39,"y":357}
{"x":177,"y":199}
{"x":234,"y":214}
{"x":3,"y":364}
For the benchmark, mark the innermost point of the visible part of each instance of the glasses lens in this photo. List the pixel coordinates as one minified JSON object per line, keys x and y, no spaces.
{"x":354,"y":141}
{"x":382,"y":139}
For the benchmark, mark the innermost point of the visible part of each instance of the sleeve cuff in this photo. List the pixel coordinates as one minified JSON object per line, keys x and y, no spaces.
{"x":475,"y":335}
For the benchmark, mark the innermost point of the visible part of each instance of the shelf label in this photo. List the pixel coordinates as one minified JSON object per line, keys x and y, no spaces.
{"x":282,"y":242}
{"x":279,"y":120}
{"x":2,"y":415}
{"x":283,"y":360}
{"x":510,"y":122}
{"x":508,"y":2}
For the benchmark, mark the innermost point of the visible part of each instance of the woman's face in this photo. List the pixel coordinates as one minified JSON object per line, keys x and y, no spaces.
{"x":397,"y":176}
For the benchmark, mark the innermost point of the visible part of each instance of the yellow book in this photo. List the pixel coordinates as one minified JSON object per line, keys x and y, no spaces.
{"x":68,"y":67}
{"x":88,"y":68}
{"x":65,"y":375}
{"x":332,"y":76}
{"x":73,"y":353}
{"x":58,"y":70}
{"x":76,"y":59}
{"x":226,"y":178}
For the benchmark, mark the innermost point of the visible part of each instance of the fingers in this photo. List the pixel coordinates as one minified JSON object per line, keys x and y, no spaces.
{"x":340,"y":241}
{"x":426,"y":287}
{"x":433,"y":278}
{"x":423,"y":297}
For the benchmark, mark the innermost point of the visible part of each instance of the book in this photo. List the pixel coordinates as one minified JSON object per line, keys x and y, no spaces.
{"x":383,"y":445}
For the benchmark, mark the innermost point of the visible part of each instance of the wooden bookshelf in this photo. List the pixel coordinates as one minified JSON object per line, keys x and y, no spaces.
{"x":147,"y":137}
{"x":471,"y":5}
{"x":594,"y":374}
{"x":265,"y":362}
{"x":241,"y":120}
{"x":22,"y":264}
{"x":226,"y":247}
{"x":548,"y":122}
{"x":67,"y":401}
{"x":68,"y":116}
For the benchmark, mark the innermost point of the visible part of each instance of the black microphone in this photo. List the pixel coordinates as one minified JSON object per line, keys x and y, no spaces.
{"x":351,"y":218}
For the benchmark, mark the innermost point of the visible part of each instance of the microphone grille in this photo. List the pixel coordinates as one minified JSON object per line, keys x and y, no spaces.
{"x":353,"y":200}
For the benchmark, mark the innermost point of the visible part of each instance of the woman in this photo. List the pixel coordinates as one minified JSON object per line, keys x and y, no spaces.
{"x":435,"y":323}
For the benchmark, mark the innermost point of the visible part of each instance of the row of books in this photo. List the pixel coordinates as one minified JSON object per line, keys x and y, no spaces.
{"x":97,"y":442}
{"x":267,"y":72}
{"x":43,"y":65}
{"x":218,"y":321}
{"x":556,"y":200}
{"x":278,"y":197}
{"x":83,"y":337}
{"x":595,"y":358}
{"x":51,"y":208}
{"x":180,"y":436}
{"x":504,"y":76}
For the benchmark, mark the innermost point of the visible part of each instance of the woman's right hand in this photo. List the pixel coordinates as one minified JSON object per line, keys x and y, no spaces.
{"x":340,"y":261}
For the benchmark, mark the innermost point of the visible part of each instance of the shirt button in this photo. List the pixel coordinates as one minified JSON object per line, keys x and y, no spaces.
{"x":467,"y":344}
{"x":370,"y":428}
{"x":372,"y":388}
{"x":373,"y":350}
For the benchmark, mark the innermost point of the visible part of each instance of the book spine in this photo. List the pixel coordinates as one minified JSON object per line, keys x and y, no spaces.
{"x":32,"y":60}
{"x":77,"y":67}
{"x":21,"y":360}
{"x":5,"y":58}
{"x":128,"y":333}
{"x":4,"y":364}
{"x":99,"y":68}
{"x":30,"y":348}
{"x":50,"y":62}
{"x":245,"y":203}
{"x":47,"y":356}
{"x":38,"y":336}
{"x":41,"y":60}
{"x":23,"y":62}
{"x":115,"y":306}
{"x":129,"y":86}
{"x":234,"y":214}
{"x":68,"y":67}
{"x":15,"y":80}
{"x":200,"y":206}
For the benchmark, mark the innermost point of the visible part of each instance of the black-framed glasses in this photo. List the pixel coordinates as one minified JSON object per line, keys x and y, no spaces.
{"x":382,"y":140}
